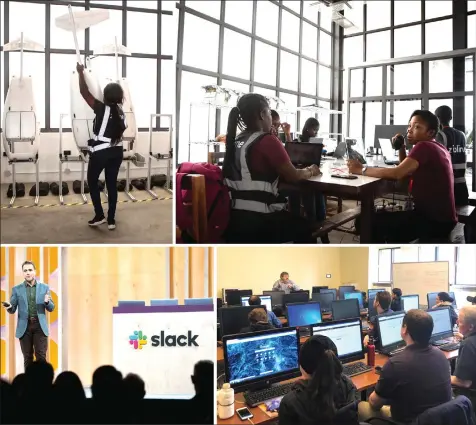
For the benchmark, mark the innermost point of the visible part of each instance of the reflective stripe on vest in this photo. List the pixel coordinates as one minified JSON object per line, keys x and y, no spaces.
{"x":455,"y":142}
{"x":252,"y":195}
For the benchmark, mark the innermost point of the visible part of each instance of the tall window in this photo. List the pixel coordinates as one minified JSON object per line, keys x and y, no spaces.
{"x":278,"y":49}
{"x":150,"y":64}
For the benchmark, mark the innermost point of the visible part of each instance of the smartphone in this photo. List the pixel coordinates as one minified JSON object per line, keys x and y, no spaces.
{"x":244,"y":413}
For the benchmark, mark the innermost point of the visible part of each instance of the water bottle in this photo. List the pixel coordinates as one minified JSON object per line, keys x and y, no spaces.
{"x":226,"y":402}
{"x":371,"y":353}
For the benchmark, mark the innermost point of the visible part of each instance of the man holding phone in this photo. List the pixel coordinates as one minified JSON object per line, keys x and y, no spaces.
{"x":32,"y":299}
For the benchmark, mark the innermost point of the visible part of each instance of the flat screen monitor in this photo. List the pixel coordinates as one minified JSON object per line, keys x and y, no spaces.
{"x":265,"y":300}
{"x":234,"y":319}
{"x":431,"y":298}
{"x":233,"y":296}
{"x":276,"y":297}
{"x":296,"y":297}
{"x":331,"y":290}
{"x":346,"y":335}
{"x":345,"y":309}
{"x":410,"y":302}
{"x":325,"y":300}
{"x":357,"y":295}
{"x":389,"y":329}
{"x":261,"y":358}
{"x":345,"y":288}
{"x":441,"y":323}
{"x":318,"y":288}
{"x":304,"y":314}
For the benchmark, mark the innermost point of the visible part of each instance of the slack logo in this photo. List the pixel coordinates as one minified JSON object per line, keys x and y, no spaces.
{"x":137,"y":339}
{"x":163,"y":340}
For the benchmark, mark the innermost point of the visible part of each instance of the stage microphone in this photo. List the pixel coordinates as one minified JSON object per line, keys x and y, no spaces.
{"x":471,"y":299}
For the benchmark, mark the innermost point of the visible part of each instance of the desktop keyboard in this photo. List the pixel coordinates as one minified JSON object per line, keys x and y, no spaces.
{"x":255,"y":398}
{"x":355,"y":369}
{"x":450,"y":347}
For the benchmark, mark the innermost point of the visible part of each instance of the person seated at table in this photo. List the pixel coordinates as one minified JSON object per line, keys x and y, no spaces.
{"x":382,"y":303}
{"x":258,"y":321}
{"x":255,"y":163}
{"x":443,"y":299}
{"x":323,"y":389}
{"x":276,"y":125}
{"x":285,"y":284}
{"x":272,"y":319}
{"x":314,"y":203}
{"x":414,"y":380}
{"x":432,"y":187}
{"x":365,"y":300}
{"x":464,"y":376}
{"x":396,"y":299}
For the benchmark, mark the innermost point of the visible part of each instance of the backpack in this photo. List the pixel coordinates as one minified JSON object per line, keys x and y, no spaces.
{"x":218,"y":201}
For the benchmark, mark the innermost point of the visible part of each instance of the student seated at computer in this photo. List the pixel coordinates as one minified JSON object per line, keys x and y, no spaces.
{"x":314,"y":204}
{"x":396,"y":299}
{"x":414,"y":380}
{"x":464,"y":377}
{"x":258,"y":320}
{"x":323,"y":389}
{"x":277,"y":124}
{"x":443,"y":299}
{"x":255,"y":162}
{"x":365,"y":299}
{"x":382,"y":303}
{"x":285,"y":284}
{"x":272,"y":319}
{"x":429,"y":166}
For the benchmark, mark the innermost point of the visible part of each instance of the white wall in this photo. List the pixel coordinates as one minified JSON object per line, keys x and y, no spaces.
{"x":49,"y":158}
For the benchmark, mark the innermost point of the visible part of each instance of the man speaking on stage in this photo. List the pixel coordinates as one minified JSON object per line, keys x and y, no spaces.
{"x":32,"y":298}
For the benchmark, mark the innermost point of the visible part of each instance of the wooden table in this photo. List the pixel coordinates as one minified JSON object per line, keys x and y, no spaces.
{"x":362,"y":382}
{"x":363,"y":188}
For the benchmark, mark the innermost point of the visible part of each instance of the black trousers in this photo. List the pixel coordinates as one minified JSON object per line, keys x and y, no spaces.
{"x":33,"y":341}
{"x":279,"y":227}
{"x":109,"y":160}
{"x":406,"y":226}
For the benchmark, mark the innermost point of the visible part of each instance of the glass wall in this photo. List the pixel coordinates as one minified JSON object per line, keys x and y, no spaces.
{"x":150,"y":70}
{"x":279,"y":49}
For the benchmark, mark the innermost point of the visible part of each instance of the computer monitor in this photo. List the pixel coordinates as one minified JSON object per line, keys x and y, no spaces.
{"x":296,"y":297}
{"x":345,"y":288}
{"x":357,"y":295}
{"x":134,"y":303}
{"x":164,"y":302}
{"x":317,"y":289}
{"x":265,"y":300}
{"x":345,"y":309}
{"x":346,"y":335}
{"x":234,"y":319}
{"x":410,"y":302}
{"x":304,"y":314}
{"x":233,"y":296}
{"x":431,"y":298}
{"x":325,"y":300}
{"x":441,"y":323}
{"x":389,"y":330}
{"x":276,"y":297}
{"x":259,"y":359}
{"x":198,"y":301}
{"x":330,"y":290}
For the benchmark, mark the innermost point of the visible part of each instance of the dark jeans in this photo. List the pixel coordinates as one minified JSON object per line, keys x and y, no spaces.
{"x":109,"y":160}
{"x":406,"y":226}
{"x":33,"y":341}
{"x":314,"y":205}
{"x":278,"y":227}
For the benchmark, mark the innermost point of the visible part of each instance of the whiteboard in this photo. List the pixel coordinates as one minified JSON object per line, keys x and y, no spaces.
{"x":421,"y":278}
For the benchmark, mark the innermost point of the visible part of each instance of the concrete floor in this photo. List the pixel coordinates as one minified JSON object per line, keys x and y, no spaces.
{"x":136,"y":222}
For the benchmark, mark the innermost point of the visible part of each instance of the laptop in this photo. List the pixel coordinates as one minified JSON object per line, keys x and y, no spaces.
{"x":304,"y":154}
{"x":388,"y":152}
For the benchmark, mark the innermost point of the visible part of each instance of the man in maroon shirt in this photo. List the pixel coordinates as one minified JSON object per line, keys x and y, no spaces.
{"x":429,"y":166}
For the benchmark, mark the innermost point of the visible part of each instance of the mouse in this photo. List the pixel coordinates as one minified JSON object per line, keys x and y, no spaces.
{"x":378,"y":369}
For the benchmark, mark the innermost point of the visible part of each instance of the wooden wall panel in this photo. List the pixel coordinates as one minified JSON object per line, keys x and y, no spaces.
{"x":196,"y":263}
{"x":178,"y":271}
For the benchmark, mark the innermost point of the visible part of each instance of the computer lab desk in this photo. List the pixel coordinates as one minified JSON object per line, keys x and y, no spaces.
{"x":362,"y":382}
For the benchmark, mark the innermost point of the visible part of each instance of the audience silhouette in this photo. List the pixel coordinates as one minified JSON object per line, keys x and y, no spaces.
{"x":36,"y":397}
